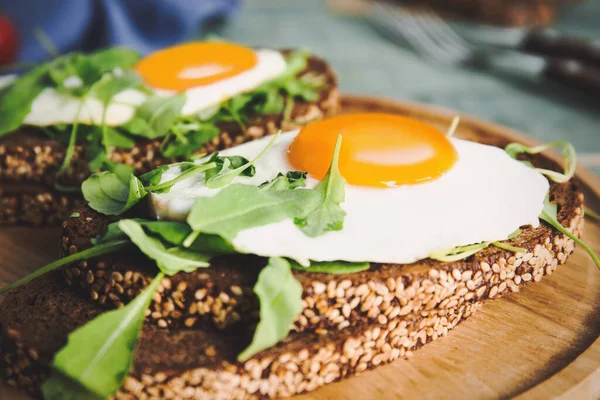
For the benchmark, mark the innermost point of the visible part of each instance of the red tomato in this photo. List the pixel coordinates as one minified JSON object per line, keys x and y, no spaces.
{"x":9,"y":41}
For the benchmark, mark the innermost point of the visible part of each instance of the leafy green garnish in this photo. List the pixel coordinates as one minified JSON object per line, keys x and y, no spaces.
{"x":332,"y":267}
{"x":156,"y":116}
{"x":16,"y":100}
{"x":99,"y":355}
{"x":106,"y":193}
{"x":273,"y":96}
{"x":189,"y":169}
{"x":458,"y":253}
{"x":171,"y":260}
{"x":75,"y":215}
{"x":238,"y":207}
{"x":222,"y":179}
{"x":280,"y":296}
{"x":104,"y":248}
{"x":291,"y":180}
{"x":113,"y":193}
{"x":550,"y":215}
{"x":229,"y":162}
{"x":189,"y":138}
{"x":462,"y":252}
{"x":568,"y":152}
{"x":588,"y":212}
{"x":328,"y":215}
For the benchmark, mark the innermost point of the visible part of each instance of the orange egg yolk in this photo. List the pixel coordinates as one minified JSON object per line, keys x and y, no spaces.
{"x":377,"y":149}
{"x":194,"y":64}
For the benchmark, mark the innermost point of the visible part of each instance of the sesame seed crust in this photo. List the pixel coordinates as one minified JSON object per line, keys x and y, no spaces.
{"x":206,"y":299}
{"x":29,"y":157}
{"x":37,"y":208}
{"x":198,"y":365}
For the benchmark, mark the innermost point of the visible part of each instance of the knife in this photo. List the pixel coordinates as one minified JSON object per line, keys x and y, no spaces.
{"x":547,"y":42}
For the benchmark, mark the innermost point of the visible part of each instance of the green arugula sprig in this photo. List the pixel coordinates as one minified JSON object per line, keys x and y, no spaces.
{"x":462,"y":252}
{"x":328,"y":215}
{"x":280,"y":297}
{"x":16,"y":100}
{"x":568,"y":152}
{"x":332,"y":267}
{"x":550,"y":215}
{"x":98,"y":356}
{"x":589,"y":213}
{"x":549,"y":212}
{"x":104,"y":248}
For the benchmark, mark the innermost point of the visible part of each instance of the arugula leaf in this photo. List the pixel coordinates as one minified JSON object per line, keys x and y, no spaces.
{"x":156,"y":115}
{"x":328,"y":215}
{"x":16,"y":100}
{"x":458,"y":252}
{"x":550,"y":215}
{"x":222,"y":179}
{"x":112,"y":137}
{"x":209,"y":244}
{"x":106,"y":60}
{"x":105,"y":248}
{"x":189,"y":140}
{"x":107,"y":194}
{"x":569,"y":156}
{"x":230,"y":162}
{"x":189,"y":169}
{"x":239,"y":207}
{"x":59,"y":387}
{"x":99,"y":355}
{"x":280,"y":296}
{"x":170,"y":261}
{"x":170,"y":231}
{"x":111,"y":85}
{"x":332,"y":267}
{"x":291,"y":180}
{"x":589,"y":213}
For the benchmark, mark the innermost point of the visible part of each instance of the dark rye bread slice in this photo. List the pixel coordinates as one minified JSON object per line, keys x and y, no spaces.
{"x":222,"y":294}
{"x":28,"y":156}
{"x":174,"y":364}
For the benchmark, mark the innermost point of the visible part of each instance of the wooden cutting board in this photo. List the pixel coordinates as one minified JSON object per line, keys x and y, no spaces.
{"x":540,"y":343}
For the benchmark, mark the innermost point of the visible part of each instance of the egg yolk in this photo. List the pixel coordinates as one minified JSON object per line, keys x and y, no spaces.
{"x":194,"y":64}
{"x":377,"y":149}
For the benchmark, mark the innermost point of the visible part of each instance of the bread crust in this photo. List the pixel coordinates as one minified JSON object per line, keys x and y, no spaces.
{"x":27,"y":156}
{"x":172,"y":364}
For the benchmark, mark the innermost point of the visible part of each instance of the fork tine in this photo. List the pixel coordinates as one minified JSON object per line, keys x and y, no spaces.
{"x":458,"y":49}
{"x":427,"y":43}
{"x":444,"y":29}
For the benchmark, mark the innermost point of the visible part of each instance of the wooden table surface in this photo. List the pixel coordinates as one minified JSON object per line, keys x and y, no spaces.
{"x":542,"y":342}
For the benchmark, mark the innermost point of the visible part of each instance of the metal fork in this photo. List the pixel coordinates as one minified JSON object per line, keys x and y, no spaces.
{"x":433,"y":38}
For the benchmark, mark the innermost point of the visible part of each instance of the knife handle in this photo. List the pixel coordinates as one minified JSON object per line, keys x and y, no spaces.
{"x":573,"y":73}
{"x":551,"y":43}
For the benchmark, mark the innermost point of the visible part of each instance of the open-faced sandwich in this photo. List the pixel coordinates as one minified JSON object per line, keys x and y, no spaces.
{"x":113,"y":110}
{"x":285,"y":263}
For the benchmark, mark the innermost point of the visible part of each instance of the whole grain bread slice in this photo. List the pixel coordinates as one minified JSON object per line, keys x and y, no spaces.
{"x":222,"y":295}
{"x":190,"y":363}
{"x":28,"y":156}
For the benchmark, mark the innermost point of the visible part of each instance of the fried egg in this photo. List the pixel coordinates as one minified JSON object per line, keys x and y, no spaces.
{"x":208,"y":73}
{"x":410,"y":191}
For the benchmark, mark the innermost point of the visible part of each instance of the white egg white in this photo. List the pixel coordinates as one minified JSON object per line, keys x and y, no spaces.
{"x":486,"y":196}
{"x":52,"y":107}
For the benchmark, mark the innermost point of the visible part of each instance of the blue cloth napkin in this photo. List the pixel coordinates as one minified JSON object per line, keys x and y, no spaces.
{"x":144,"y":25}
